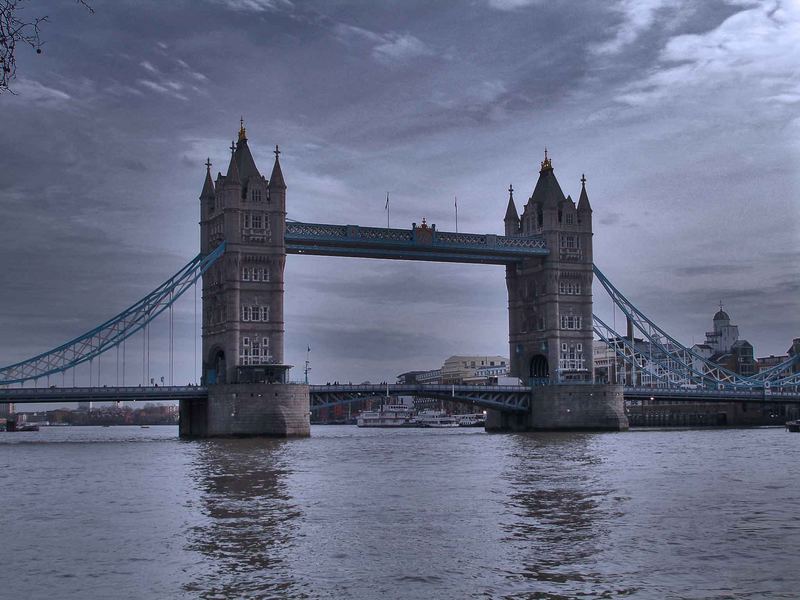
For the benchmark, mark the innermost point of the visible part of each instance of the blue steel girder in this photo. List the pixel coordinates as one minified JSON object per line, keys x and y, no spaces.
{"x":707,"y":395}
{"x":626,"y":350}
{"x":103,"y":394}
{"x":695,"y":368}
{"x":426,"y":244}
{"x":505,"y":398}
{"x":113,"y":332}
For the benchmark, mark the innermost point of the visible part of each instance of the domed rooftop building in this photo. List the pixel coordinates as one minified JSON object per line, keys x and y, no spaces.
{"x":721,"y":315}
{"x":724,"y":347}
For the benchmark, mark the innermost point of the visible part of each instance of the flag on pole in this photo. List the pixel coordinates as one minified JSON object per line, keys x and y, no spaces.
{"x":309,"y":348}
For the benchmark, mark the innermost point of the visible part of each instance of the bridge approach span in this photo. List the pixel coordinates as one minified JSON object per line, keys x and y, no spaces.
{"x":505,"y":398}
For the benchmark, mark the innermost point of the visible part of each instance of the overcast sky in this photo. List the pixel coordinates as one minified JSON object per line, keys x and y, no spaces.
{"x":684,"y":116}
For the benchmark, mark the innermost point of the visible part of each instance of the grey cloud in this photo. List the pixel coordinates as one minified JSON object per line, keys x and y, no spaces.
{"x":101,"y":173}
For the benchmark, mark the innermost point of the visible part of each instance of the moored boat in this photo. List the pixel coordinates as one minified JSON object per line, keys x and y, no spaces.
{"x":435,"y":418}
{"x":472,"y":420}
{"x":793,"y":425}
{"x":389,"y":415}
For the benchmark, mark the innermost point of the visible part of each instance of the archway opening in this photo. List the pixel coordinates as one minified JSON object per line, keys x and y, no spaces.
{"x":217,"y":368}
{"x":539,"y":367}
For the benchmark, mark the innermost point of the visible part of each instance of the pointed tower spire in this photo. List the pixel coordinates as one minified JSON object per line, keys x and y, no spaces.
{"x":511,"y":210}
{"x":511,"y":219}
{"x":583,"y":201}
{"x":208,"y":185}
{"x":242,"y":132}
{"x":547,"y":164}
{"x":233,"y":170}
{"x":276,"y":179}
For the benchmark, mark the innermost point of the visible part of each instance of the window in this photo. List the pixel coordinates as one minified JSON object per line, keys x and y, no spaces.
{"x":570,"y":322}
{"x":570,"y":218}
{"x":256,"y":273}
{"x":256,"y":195}
{"x":257,"y":221}
{"x":566,"y":286}
{"x":571,"y":357}
{"x":570,"y":242}
{"x":247,"y":220}
{"x":245,"y":313}
{"x":246,"y":274}
{"x":265,"y":313}
{"x":264,"y":273}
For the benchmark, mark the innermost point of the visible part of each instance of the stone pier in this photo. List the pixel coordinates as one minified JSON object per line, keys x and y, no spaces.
{"x":567,"y":407}
{"x":248,"y":410}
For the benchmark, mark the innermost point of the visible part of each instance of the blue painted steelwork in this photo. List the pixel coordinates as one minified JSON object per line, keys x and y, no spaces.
{"x":103,"y":394}
{"x":693,"y":368}
{"x":505,"y":398}
{"x":682,"y":365}
{"x":420,"y":243}
{"x":111,"y":333}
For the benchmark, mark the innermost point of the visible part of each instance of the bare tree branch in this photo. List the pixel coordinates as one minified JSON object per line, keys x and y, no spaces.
{"x":15,"y":29}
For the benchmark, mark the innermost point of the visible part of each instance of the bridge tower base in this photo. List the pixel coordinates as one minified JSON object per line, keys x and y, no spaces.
{"x":248,"y":410}
{"x":567,"y":407}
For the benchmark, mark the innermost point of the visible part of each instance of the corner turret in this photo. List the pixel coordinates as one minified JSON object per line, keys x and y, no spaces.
{"x":583,"y":201}
{"x":511,"y":219}
{"x":232,"y":177}
{"x":276,"y":181}
{"x":208,"y":186}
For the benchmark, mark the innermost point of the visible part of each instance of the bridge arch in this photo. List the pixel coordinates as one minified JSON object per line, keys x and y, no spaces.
{"x":539,"y":367}
{"x":216,"y":368}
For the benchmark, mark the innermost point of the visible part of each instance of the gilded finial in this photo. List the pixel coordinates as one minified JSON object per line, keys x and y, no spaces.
{"x":242,"y":132}
{"x":546,"y":163}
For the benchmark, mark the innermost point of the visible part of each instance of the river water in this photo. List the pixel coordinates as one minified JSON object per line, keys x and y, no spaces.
{"x":125,"y":512}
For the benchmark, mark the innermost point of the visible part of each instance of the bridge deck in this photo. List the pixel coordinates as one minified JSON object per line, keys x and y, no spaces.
{"x":409,"y":244}
{"x":511,"y":398}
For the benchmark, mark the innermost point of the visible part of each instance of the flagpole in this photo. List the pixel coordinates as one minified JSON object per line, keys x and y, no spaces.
{"x":456,"y":203}
{"x":387,"y":210}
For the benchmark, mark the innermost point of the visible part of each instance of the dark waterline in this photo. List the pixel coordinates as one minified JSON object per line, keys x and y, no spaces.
{"x":124,"y":512}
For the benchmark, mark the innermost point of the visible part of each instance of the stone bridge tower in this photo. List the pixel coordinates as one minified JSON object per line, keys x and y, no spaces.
{"x":243,"y":290}
{"x":550,"y":317}
{"x":243,"y":366}
{"x":550,"y":299}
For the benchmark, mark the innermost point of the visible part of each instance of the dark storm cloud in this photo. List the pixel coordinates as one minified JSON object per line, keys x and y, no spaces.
{"x":683,"y":116}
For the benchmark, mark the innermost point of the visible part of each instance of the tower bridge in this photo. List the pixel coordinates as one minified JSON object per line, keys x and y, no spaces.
{"x":546,"y":251}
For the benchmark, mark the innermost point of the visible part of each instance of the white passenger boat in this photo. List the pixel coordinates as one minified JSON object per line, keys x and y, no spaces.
{"x":435,"y":418}
{"x":472,"y":420}
{"x":389,"y":415}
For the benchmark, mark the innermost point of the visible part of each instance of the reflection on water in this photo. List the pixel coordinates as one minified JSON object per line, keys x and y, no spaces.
{"x":126,"y":513}
{"x":559,"y":513}
{"x":250,"y":519}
